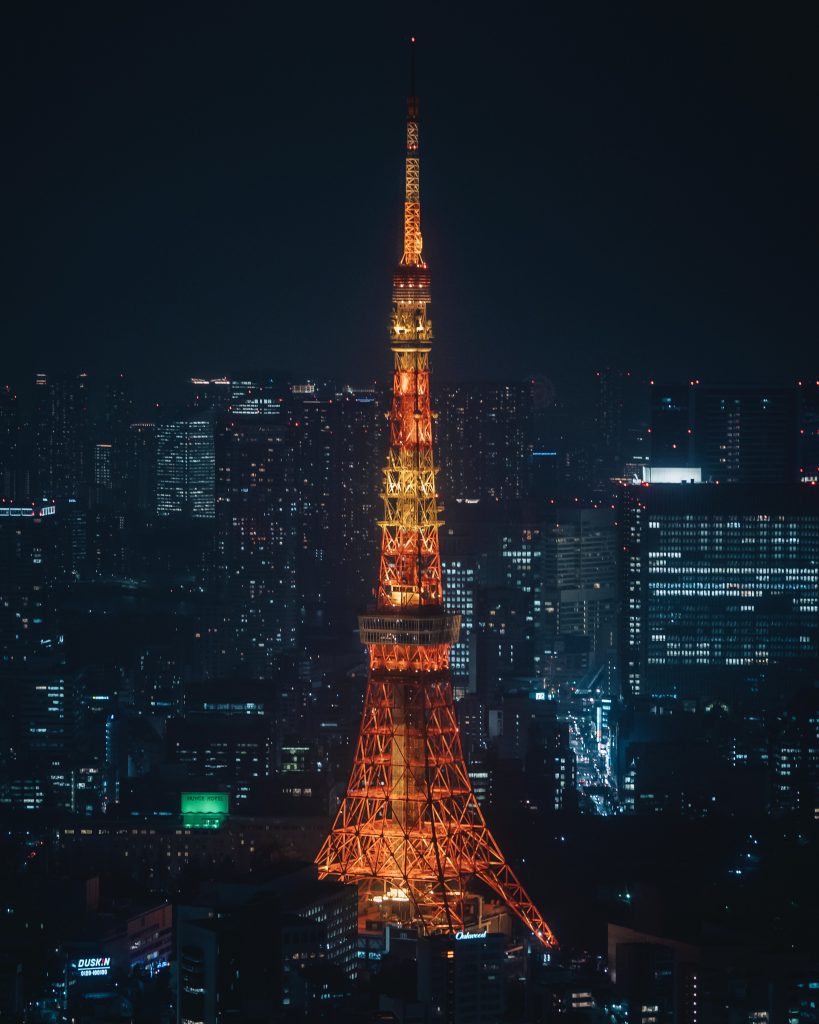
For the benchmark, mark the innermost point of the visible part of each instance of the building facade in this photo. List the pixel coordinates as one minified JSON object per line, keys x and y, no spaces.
{"x":719,"y":590}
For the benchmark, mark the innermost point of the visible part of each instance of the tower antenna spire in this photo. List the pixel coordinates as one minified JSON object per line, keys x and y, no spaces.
{"x":413,"y":242}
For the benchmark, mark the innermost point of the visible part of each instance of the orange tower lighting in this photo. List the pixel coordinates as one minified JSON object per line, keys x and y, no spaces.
{"x":409,"y":831}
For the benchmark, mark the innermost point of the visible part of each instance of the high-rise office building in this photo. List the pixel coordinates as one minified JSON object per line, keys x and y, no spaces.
{"x":720,"y":590}
{"x":30,"y":565}
{"x":612,"y":385}
{"x":259,"y":394}
{"x":672,"y":425}
{"x":361,"y":434}
{"x":103,"y":474}
{"x":301,"y":969}
{"x":61,"y":434}
{"x":551,"y":767}
{"x":746,"y":435}
{"x":610,"y":408}
{"x":316,"y":440}
{"x":538,"y":589}
{"x":10,"y":483}
{"x":112,"y":429}
{"x":485,"y":443}
{"x":212,"y":395}
{"x":230,"y":751}
{"x":185,"y":473}
{"x":491,"y":561}
{"x":733,"y":434}
{"x":464,"y":573}
{"x":809,"y":430}
{"x":576,"y":604}
{"x":39,"y":697}
{"x":794,"y":756}
{"x":141,"y":459}
{"x":460,"y":977}
{"x":256,"y":542}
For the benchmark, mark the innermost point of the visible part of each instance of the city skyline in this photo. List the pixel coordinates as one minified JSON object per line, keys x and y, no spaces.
{"x":303,"y":682}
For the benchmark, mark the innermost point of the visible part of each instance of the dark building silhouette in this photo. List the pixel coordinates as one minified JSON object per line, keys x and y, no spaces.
{"x":360,"y":443}
{"x":40,"y":699}
{"x":809,"y":430}
{"x":316,"y":439}
{"x":460,"y":978}
{"x":111,"y":454}
{"x":12,"y":485}
{"x":746,"y":435}
{"x":231,"y":751}
{"x":256,"y":544}
{"x":61,"y":434}
{"x":733,"y":434}
{"x":140,"y":467}
{"x":484,"y":438}
{"x":30,"y":573}
{"x":268,"y":950}
{"x":671,"y":425}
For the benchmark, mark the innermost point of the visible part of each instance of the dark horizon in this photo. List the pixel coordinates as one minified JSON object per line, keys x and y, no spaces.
{"x":628,"y":189}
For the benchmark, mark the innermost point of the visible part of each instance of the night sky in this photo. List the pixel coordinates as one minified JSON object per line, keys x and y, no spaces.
{"x":211,"y":188}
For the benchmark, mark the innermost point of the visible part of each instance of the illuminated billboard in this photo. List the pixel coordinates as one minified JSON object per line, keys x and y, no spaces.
{"x":91,"y":966}
{"x":204,"y":810}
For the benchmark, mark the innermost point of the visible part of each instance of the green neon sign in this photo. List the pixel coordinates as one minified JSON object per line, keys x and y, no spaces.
{"x":204,"y":810}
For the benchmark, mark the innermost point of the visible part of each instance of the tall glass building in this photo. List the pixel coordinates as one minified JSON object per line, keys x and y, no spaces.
{"x":720,"y":591}
{"x":185,"y":467}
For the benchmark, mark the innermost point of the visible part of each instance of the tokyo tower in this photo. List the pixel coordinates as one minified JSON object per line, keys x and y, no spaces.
{"x":409,"y":831}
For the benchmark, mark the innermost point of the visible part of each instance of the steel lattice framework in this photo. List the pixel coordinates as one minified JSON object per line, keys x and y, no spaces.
{"x":409,"y":831}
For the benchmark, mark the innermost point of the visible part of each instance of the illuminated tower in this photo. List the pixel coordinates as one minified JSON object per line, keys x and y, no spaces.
{"x":409,"y":831}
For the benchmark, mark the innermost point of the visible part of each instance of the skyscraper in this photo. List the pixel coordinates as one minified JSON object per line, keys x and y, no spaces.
{"x":361,"y":436}
{"x":113,"y":431}
{"x":29,"y":580}
{"x":485,"y":440}
{"x":733,"y":434}
{"x":809,"y":430}
{"x":10,"y":483}
{"x":537,"y":585}
{"x":721,"y":588}
{"x":576,"y":602}
{"x":141,"y":466}
{"x":610,"y":419}
{"x":672,"y":425}
{"x":62,"y":434}
{"x":39,"y":698}
{"x":185,"y":474}
{"x":746,"y":435}
{"x":316,"y":440}
{"x":256,"y":543}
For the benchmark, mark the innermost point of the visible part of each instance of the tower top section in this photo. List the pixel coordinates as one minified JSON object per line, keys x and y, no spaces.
{"x":410,"y":325}
{"x":413,"y":243}
{"x":412,"y":99}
